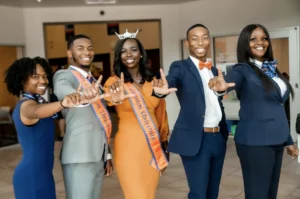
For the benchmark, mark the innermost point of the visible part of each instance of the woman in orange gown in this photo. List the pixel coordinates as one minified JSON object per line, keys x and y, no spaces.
{"x":132,"y":154}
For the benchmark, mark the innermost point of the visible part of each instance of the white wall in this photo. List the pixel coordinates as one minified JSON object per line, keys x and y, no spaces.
{"x":231,"y":16}
{"x":12,"y":26}
{"x":35,"y":17}
{"x":220,"y":16}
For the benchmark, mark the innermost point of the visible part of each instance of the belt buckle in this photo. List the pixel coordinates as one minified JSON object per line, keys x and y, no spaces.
{"x":214,"y":129}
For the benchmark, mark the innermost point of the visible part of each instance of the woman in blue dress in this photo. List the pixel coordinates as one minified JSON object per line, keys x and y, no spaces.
{"x":33,"y":118}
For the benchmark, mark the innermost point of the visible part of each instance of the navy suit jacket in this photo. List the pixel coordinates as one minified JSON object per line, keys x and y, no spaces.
{"x":187,"y":134}
{"x":262,"y":115}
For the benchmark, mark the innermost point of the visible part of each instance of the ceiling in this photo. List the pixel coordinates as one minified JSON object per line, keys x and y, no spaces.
{"x":64,"y":3}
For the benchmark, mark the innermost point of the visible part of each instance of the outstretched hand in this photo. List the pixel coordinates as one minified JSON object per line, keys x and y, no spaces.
{"x":91,"y":91}
{"x":218,"y":83}
{"x":161,"y":86}
{"x":117,"y":91}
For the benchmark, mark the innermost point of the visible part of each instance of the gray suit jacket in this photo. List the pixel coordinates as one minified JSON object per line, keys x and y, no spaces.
{"x":84,"y":140}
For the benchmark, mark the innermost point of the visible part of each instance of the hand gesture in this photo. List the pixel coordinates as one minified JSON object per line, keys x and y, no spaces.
{"x":161,"y":86}
{"x":109,"y":168}
{"x":292,"y":150}
{"x":218,"y":83}
{"x":117,"y":90}
{"x":92,"y":91}
{"x":73,"y":99}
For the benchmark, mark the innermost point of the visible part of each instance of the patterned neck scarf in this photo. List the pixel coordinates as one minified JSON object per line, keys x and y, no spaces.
{"x":269,"y":68}
{"x":39,"y":99}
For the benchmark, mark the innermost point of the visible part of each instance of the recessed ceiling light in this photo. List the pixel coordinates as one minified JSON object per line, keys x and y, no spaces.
{"x":39,"y":1}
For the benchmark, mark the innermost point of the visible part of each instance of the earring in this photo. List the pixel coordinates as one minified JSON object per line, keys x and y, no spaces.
{"x":141,"y":56}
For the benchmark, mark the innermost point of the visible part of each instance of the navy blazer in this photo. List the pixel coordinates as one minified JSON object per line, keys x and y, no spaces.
{"x":187,"y":134}
{"x":262,"y":115}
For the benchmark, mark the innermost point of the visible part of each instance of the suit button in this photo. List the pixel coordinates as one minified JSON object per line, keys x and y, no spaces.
{"x":203,"y":116}
{"x":281,"y":104}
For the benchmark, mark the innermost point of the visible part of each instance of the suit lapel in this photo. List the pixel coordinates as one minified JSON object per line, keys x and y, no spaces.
{"x":214,"y":71}
{"x":286,"y":94}
{"x":255,"y":79}
{"x":195,"y":72}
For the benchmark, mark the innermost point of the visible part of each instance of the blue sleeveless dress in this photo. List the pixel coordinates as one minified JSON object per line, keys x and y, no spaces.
{"x":33,"y":177}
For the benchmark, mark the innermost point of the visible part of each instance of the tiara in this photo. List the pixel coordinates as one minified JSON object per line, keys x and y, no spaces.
{"x":127,"y":35}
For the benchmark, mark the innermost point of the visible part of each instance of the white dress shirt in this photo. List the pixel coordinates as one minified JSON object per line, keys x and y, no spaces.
{"x":213,"y":114}
{"x":280,"y":82}
{"x":82,"y":72}
{"x":85,"y":74}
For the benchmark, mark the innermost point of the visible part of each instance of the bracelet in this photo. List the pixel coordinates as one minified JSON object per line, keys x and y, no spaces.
{"x":117,"y":103}
{"x":62,"y":105}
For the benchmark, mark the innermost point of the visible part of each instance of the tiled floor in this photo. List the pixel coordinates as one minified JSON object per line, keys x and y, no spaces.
{"x":172,"y":184}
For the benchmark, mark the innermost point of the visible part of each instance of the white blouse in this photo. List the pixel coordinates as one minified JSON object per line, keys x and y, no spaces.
{"x":280,"y":82}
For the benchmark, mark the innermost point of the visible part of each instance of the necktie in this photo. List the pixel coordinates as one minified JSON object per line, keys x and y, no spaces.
{"x":207,"y":65}
{"x":269,"y":68}
{"x":90,"y":78}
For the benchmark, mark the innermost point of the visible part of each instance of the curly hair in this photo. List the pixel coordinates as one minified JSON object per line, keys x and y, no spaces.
{"x":19,"y":72}
{"x":119,"y":67}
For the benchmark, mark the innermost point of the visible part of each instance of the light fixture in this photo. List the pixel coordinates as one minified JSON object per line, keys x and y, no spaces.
{"x":100,"y":1}
{"x":39,"y":1}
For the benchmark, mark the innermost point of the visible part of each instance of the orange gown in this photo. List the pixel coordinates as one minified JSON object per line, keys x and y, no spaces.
{"x":132,"y":155}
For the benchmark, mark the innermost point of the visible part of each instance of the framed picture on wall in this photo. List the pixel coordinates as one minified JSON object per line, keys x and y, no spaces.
{"x":224,"y":48}
{"x":69,"y":31}
{"x":112,"y":28}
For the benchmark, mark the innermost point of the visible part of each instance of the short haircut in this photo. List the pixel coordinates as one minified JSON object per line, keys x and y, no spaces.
{"x":72,"y":39}
{"x":195,"y":26}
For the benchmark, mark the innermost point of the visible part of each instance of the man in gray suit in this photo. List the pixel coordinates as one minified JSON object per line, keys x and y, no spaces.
{"x":85,"y":149}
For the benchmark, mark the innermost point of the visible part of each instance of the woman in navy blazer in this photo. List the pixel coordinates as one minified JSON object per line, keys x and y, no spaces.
{"x":263,"y":130}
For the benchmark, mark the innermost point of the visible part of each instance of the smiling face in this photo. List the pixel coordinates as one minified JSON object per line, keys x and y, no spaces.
{"x":198,"y":42}
{"x":81,"y":53}
{"x":38,"y":82}
{"x":130,"y":54}
{"x":259,"y":43}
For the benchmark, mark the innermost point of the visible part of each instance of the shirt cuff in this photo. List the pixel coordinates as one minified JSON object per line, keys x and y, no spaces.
{"x":108,"y":156}
{"x":220,"y":93}
{"x":158,"y":95}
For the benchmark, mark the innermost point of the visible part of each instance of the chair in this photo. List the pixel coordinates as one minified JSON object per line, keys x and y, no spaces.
{"x":5,"y":117}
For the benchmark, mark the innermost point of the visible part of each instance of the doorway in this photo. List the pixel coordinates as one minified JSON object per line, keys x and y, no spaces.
{"x":8,"y":54}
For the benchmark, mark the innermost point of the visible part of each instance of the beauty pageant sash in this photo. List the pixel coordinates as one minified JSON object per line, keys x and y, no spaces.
{"x":97,"y":106}
{"x":151,"y":133}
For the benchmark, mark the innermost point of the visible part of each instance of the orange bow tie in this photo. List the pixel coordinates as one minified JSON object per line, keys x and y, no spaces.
{"x":207,"y":64}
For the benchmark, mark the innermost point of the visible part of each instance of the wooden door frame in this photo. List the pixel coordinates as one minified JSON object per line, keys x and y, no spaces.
{"x":106,"y":22}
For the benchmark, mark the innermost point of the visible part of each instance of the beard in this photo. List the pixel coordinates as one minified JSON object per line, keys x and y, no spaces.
{"x":82,"y":66}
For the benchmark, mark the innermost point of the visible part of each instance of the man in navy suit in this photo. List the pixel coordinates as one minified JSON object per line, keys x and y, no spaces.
{"x":200,"y":132}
